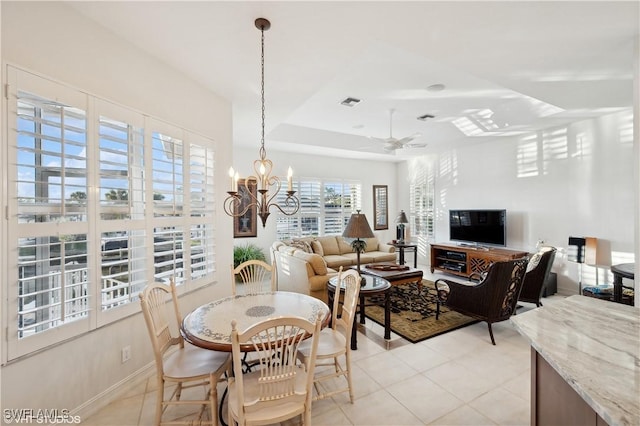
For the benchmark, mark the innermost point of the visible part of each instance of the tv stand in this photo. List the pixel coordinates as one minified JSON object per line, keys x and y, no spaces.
{"x":473,"y":246}
{"x":465,"y":260}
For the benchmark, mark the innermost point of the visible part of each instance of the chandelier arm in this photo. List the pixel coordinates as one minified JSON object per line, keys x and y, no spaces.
{"x":232,"y":204}
{"x":291,"y":205}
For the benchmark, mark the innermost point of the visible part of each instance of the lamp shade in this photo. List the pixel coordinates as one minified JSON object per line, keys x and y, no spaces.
{"x":358,"y":227}
{"x":402,"y":217}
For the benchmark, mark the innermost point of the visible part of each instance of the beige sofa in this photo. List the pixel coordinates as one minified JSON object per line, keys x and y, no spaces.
{"x":305,"y":265}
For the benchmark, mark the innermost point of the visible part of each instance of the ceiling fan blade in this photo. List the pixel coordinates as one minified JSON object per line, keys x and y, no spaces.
{"x":405,"y":140}
{"x":381,"y":140}
{"x":416,"y":145}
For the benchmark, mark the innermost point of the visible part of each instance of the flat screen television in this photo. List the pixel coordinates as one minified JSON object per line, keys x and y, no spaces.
{"x":478,"y":226}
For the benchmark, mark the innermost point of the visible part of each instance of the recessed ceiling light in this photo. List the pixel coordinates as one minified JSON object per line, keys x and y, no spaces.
{"x":439,"y":87}
{"x":425,"y":117}
{"x":350,"y":102}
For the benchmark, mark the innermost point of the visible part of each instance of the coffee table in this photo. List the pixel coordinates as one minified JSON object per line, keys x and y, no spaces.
{"x":395,"y":274}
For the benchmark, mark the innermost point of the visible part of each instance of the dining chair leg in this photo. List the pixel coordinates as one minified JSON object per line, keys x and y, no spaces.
{"x":349,"y":382}
{"x":159,"y":401}
{"x":213,"y":399}
{"x":307,"y":416}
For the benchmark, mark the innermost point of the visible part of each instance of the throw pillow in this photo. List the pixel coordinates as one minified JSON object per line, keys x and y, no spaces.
{"x":317,"y":263}
{"x":317,"y":247}
{"x":329,"y":245}
{"x":533,"y":261}
{"x":302,"y":245}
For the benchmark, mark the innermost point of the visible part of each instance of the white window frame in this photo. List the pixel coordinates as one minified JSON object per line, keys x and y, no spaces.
{"x":422,"y":203}
{"x":200,"y":224}
{"x":321,"y":213}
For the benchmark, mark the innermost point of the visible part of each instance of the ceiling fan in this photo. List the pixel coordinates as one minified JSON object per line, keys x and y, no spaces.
{"x":391,"y":144}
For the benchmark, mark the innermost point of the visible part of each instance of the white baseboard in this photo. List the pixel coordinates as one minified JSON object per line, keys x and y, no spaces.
{"x":114,"y":392}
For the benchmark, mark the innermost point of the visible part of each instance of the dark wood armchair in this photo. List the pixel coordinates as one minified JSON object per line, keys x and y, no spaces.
{"x":493,"y":299}
{"x":536,"y":276}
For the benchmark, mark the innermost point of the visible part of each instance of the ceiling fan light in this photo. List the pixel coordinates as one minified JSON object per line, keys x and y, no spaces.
{"x":438,"y":87}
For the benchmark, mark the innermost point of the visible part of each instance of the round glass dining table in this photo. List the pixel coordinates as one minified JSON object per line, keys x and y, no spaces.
{"x":209,"y":326}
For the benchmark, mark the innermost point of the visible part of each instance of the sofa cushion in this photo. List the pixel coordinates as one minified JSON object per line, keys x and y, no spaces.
{"x":316,"y":261}
{"x":364,"y":258}
{"x":317,"y":247}
{"x":372,"y":244}
{"x":380,"y":256}
{"x":344,"y":245}
{"x":329,"y":245}
{"x":336,"y":261}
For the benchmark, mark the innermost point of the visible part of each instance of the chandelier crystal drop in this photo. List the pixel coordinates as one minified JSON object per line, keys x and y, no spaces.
{"x":238,"y":203}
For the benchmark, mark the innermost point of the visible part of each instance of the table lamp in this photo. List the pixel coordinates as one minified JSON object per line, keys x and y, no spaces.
{"x":357,"y":228}
{"x":401,"y":220}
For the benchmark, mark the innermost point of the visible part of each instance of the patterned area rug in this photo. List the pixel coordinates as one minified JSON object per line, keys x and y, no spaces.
{"x":413,"y":314}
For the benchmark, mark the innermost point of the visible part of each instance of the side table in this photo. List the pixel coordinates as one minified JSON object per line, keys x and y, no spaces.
{"x":374,"y":286}
{"x":409,"y":247}
{"x":623,"y":270}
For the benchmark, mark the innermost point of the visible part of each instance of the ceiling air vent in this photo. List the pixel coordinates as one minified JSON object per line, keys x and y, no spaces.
{"x":350,"y":102}
{"x":425,"y":117}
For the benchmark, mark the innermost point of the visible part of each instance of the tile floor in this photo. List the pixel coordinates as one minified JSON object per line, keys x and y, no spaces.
{"x":458,"y":378}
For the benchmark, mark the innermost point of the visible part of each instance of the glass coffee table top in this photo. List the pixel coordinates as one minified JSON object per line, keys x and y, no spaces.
{"x":373,"y":284}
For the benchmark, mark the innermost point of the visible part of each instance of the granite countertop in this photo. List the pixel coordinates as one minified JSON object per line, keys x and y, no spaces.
{"x":595,"y":346}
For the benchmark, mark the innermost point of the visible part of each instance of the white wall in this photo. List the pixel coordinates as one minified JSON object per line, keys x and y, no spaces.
{"x":579,"y":184}
{"x":53,"y":40}
{"x":369,"y":173}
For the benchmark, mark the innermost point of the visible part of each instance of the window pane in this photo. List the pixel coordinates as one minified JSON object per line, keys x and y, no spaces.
{"x":325,"y":208}
{"x":52,"y":282}
{"x":421,"y":192}
{"x":202,"y":251}
{"x":168,"y":184}
{"x":121,"y":170}
{"x":201,"y":181}
{"x":51,"y":160}
{"x":123,"y":267}
{"x":168,"y":254}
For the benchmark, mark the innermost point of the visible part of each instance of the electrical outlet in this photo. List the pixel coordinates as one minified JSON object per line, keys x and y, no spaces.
{"x":126,"y":354}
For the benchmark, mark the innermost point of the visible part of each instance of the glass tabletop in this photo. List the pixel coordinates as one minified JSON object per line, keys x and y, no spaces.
{"x":372,"y":283}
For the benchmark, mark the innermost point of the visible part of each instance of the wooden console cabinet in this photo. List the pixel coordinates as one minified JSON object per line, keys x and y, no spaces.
{"x":464,"y":261}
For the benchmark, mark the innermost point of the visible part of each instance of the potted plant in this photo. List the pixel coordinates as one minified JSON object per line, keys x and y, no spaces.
{"x":247,"y":252}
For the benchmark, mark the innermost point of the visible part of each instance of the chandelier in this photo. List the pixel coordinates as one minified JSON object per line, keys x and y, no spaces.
{"x":238,"y":203}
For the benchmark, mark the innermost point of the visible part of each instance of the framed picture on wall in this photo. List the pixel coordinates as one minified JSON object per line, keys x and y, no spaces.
{"x":380,"y":207}
{"x":246,"y":225}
